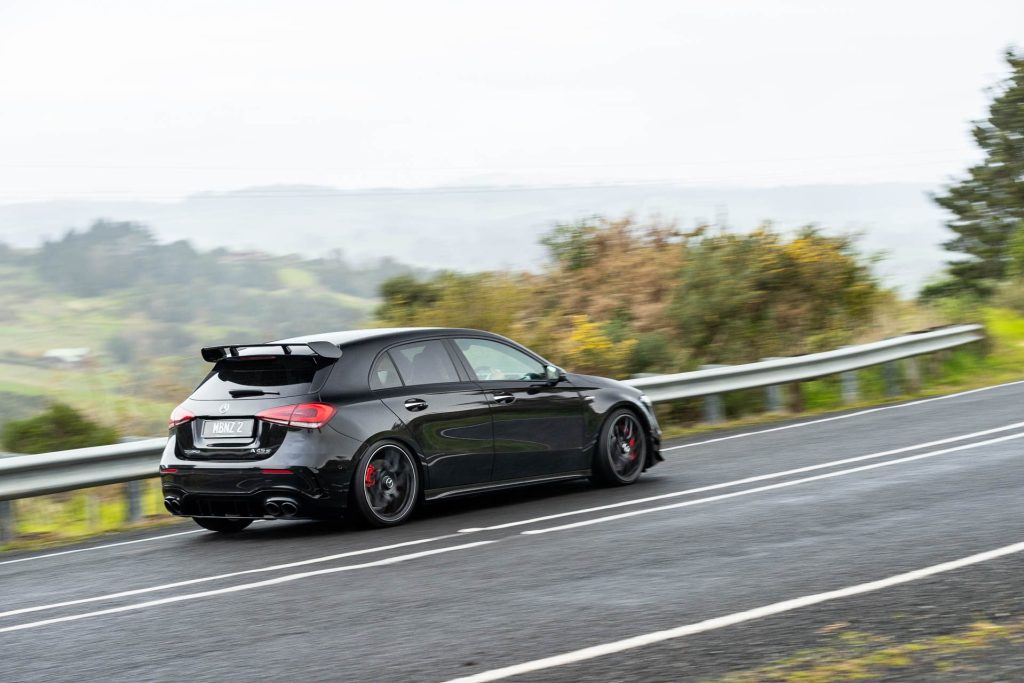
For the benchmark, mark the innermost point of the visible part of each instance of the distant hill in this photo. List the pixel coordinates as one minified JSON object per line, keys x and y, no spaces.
{"x":110,"y":319}
{"x":475,"y":228}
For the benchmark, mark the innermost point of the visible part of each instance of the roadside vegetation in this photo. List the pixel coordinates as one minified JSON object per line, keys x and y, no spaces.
{"x":972,"y":653}
{"x":62,"y":518}
{"x":619,"y":298}
{"x":59,"y":427}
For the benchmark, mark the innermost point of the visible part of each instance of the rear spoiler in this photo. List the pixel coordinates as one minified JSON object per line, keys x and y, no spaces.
{"x":325,"y":349}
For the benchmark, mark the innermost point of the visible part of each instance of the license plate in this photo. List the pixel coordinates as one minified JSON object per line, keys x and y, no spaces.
{"x":226,"y":429}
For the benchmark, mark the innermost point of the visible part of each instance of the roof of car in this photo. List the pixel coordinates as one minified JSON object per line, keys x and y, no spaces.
{"x":352,"y":336}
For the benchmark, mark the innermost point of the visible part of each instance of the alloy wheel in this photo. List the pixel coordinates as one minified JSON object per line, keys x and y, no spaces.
{"x":390,"y":483}
{"x":625,"y":446}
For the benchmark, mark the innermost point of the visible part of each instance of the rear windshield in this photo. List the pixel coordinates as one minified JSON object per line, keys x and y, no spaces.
{"x":253,"y":377}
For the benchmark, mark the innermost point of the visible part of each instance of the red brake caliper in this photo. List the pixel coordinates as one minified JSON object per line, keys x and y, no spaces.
{"x":371,"y":476}
{"x":632,"y":444}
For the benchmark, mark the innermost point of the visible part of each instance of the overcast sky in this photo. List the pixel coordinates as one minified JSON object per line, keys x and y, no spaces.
{"x":157,"y":99}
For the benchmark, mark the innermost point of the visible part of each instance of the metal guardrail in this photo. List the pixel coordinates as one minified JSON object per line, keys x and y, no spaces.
{"x":801,"y":368}
{"x":22,"y":476}
{"x":33,"y":475}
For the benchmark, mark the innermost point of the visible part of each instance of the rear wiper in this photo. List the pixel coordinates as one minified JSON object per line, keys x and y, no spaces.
{"x":239,"y":393}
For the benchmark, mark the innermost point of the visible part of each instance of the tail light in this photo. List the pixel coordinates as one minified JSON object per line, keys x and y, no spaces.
{"x":179,"y":416}
{"x":304,"y":415}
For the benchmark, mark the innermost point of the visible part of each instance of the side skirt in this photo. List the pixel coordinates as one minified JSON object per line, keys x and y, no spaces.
{"x":437,"y":494}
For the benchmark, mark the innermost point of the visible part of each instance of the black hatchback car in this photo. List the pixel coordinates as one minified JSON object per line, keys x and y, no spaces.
{"x":375,"y":421}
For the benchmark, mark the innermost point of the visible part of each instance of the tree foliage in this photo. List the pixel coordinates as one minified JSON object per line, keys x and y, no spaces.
{"x":571,"y":244}
{"x":619,"y":298}
{"x":988,"y":205}
{"x":590,"y":350}
{"x":58,"y":428}
{"x":161,"y":287}
{"x":754,"y":295}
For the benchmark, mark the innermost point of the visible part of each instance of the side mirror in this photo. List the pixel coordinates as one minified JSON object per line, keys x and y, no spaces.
{"x":553,"y":374}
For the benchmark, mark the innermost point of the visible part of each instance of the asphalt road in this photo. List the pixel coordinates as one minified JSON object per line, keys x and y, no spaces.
{"x":731,"y":522}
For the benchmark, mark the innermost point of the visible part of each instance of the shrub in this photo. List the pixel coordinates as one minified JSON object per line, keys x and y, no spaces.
{"x":59,"y":427}
{"x":618,"y":298}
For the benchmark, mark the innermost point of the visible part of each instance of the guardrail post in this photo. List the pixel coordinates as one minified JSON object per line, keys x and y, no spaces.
{"x":92,"y":509}
{"x":133,"y":497}
{"x":8,"y":522}
{"x":773,"y":393}
{"x":713,"y":409}
{"x":713,"y":412}
{"x":912,"y":374}
{"x":796,"y":397}
{"x":850,"y":386}
{"x":891,"y":374}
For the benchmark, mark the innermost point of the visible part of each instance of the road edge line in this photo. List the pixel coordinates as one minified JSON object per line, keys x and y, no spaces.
{"x":634,"y":642}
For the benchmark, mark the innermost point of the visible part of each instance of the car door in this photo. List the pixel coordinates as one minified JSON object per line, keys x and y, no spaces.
{"x":447,"y":415}
{"x":538,"y":426}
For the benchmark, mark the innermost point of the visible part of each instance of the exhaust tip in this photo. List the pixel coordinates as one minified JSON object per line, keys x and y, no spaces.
{"x":173,"y":505}
{"x":272,"y":508}
{"x":288,"y":508}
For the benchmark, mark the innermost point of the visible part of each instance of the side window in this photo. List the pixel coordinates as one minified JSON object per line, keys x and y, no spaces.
{"x":492,"y":360}
{"x":384,"y":375}
{"x":424,"y":363}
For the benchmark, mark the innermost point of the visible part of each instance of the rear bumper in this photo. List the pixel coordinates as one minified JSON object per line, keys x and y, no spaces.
{"x":246,"y":492}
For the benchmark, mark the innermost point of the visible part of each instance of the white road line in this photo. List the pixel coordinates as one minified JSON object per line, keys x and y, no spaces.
{"x":770,"y":487}
{"x":100,"y":547}
{"x":735,"y":618}
{"x":244,"y":586}
{"x":910,"y":404}
{"x":218,"y":577}
{"x":747,"y":480}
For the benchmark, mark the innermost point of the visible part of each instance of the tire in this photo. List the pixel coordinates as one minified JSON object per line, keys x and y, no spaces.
{"x":386,"y":484}
{"x":621,"y":450}
{"x":221,"y":524}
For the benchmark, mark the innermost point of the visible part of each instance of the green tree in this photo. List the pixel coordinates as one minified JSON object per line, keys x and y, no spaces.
{"x":589,"y":350}
{"x":1016,"y":253}
{"x":57,"y":428}
{"x":741,"y":297}
{"x":573,"y":246}
{"x":988,"y":205}
{"x":404,"y":296}
{"x":622,"y":298}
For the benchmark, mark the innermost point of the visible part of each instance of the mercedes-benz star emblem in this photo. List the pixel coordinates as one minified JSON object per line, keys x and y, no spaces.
{"x":224,"y":407}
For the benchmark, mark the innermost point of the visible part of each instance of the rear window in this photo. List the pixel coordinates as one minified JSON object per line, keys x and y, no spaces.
{"x":252,"y":377}
{"x":384,"y":375}
{"x":424,"y":363}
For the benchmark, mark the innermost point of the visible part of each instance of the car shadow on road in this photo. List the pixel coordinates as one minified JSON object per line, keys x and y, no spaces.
{"x":484,"y":503}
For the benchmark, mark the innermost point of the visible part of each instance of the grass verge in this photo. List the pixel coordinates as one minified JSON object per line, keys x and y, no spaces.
{"x":859,"y":656}
{"x":63,"y":518}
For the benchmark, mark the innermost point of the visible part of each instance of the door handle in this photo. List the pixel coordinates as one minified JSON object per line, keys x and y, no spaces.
{"x":504,"y":398}
{"x":415,"y":404}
